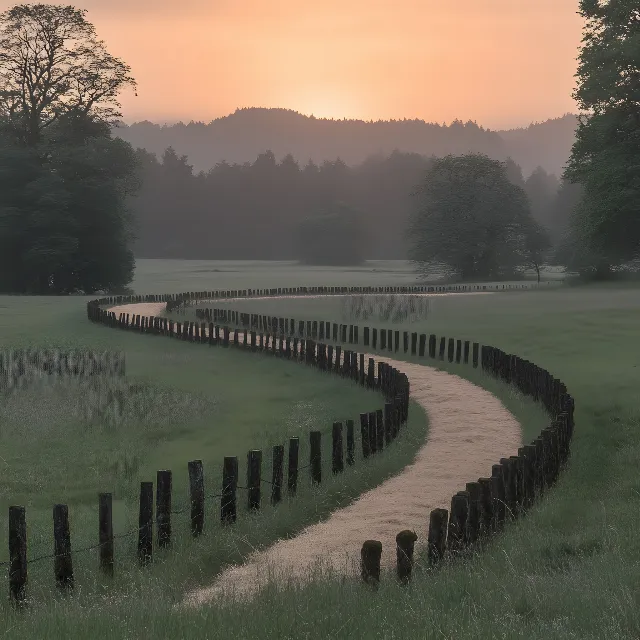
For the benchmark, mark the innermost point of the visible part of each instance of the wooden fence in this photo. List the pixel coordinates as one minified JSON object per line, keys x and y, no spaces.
{"x":378,"y":429}
{"x":511,"y":487}
{"x":479,"y":511}
{"x":482,"y":508}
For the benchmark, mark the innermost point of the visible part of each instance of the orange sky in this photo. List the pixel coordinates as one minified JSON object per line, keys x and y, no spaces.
{"x":501,"y":63}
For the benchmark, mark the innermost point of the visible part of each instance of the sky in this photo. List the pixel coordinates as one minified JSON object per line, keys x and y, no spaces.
{"x":501,"y":63}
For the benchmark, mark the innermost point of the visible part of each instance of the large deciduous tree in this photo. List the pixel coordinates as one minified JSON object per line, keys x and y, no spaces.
{"x":605,"y":158}
{"x":64,"y":181}
{"x":471,"y":220}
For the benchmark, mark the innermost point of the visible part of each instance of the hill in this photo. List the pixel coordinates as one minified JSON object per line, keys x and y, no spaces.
{"x":242,"y":135}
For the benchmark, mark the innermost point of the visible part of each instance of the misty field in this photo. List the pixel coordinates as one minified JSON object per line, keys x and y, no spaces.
{"x":567,"y":570}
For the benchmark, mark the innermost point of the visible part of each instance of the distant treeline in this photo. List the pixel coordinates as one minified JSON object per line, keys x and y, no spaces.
{"x":259,"y":210}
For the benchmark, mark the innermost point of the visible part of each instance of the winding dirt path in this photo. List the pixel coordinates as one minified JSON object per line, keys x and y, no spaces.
{"x":469,"y":430}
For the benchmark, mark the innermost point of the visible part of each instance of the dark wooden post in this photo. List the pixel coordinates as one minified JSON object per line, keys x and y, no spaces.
{"x":350,"y":443}
{"x":145,"y":523}
{"x":277,"y":473}
{"x":486,"y":502}
{"x":105,"y":532}
{"x":432,"y":345}
{"x":458,"y":351}
{"x":292,"y":469}
{"x":509,"y":487}
{"x":422,"y":344}
{"x":337,"y":458}
{"x":364,"y":435}
{"x":457,"y":536}
{"x":465,"y":358}
{"x":254,"y":473}
{"x":405,"y":542}
{"x":315,"y":456}
{"x":196,"y":491}
{"x":228,"y":501}
{"x":414,"y":343}
{"x":475,"y":517}
{"x":443,"y":342}
{"x":405,"y":341}
{"x":62,"y":564}
{"x":475,"y":350}
{"x":499,"y":505}
{"x":379,"y":430}
{"x":370,"y":562}
{"x":163,"y":508}
{"x":17,"y":554}
{"x":388,"y":422}
{"x":373,"y":434}
{"x":450,"y":349}
{"x":437,"y":535}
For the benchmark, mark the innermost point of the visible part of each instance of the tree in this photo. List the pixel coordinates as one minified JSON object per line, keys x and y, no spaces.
{"x":536,"y":246}
{"x":471,"y":220}
{"x":605,"y":158}
{"x":334,"y":237}
{"x":64,"y":225}
{"x":64,"y":181}
{"x":541,"y":189}
{"x":52,"y":64}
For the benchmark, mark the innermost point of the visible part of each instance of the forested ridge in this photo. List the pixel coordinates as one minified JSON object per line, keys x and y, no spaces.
{"x":254,"y":210}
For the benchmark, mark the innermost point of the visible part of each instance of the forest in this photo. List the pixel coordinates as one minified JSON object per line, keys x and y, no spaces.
{"x":255,"y":210}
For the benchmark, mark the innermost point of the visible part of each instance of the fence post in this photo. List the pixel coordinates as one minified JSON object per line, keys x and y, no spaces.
{"x":437,"y":535}
{"x":458,"y":351}
{"x":163,"y":508}
{"x":254,"y":472}
{"x":405,"y":542}
{"x":443,"y":341}
{"x":465,"y":358}
{"x":337,"y":462}
{"x":145,"y":523}
{"x":476,"y":347}
{"x":364,"y":435}
{"x":497,"y":489}
{"x":62,"y":564}
{"x":315,"y":456}
{"x":350,"y":443}
{"x":292,"y":470}
{"x":486,"y":503}
{"x":422,"y":344}
{"x":277,"y":473}
{"x":105,"y":532}
{"x":379,"y":430}
{"x":17,"y":554}
{"x":370,"y":562}
{"x":196,"y":491}
{"x":373,"y":435}
{"x":228,"y":502}
{"x":457,"y":536}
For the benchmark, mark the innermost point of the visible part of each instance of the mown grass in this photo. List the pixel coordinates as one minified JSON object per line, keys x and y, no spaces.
{"x":211,"y":402}
{"x":568,"y":570}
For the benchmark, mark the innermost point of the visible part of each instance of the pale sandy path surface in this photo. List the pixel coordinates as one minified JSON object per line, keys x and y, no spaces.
{"x":469,"y":430}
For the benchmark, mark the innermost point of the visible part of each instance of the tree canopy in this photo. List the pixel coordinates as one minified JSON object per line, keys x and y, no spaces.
{"x":605,"y":159}
{"x":64,"y":181}
{"x":471,"y":221}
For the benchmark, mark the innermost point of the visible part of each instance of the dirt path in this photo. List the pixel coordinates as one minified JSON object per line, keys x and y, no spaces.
{"x":469,"y":430}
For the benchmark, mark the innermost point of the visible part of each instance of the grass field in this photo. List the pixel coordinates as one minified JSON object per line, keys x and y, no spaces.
{"x":208,"y":403}
{"x":568,"y":570}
